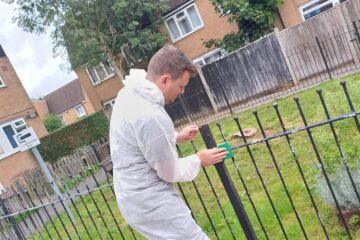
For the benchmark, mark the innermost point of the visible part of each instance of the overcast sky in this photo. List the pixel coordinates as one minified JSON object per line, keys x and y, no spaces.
{"x":32,"y":57}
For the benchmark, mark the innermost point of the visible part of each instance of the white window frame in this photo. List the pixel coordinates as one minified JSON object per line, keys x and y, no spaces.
{"x":202,"y":58}
{"x":303,"y":13}
{"x":186,"y":15}
{"x":110,"y":102}
{"x":94,"y":83}
{"x":80,"y":115}
{"x":2,"y":189}
{"x":2,"y":83}
{"x":61,"y":116}
{"x":17,"y":125}
{"x":221,"y":10}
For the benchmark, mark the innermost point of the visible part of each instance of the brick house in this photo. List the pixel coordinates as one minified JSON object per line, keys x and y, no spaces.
{"x":293,"y":12}
{"x":188,"y":23}
{"x":17,"y":112}
{"x":69,"y":102}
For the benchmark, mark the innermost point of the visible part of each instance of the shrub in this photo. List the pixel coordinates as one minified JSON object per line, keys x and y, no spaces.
{"x":342,"y":187}
{"x":53,"y":123}
{"x":66,"y":140}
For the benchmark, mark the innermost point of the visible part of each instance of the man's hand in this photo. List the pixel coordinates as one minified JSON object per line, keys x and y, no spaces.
{"x":188,"y":133}
{"x":212,"y":156}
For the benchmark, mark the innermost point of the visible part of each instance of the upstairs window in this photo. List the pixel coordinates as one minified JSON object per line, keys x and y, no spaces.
{"x":100,"y":73}
{"x":2,"y":84}
{"x":184,"y":22}
{"x":316,"y":7}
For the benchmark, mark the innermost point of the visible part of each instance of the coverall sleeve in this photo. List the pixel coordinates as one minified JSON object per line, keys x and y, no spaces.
{"x":157,"y":144}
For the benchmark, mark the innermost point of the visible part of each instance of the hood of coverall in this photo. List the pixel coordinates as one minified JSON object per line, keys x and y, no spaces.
{"x":137,"y":81}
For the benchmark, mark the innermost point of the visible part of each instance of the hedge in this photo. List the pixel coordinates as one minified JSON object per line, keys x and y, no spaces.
{"x":67,"y":139}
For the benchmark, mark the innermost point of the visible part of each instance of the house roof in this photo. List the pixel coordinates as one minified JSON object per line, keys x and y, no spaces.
{"x":65,"y":98}
{"x":2,"y":52}
{"x":174,"y":4}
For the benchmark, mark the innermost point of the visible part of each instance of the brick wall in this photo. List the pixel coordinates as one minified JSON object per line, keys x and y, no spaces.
{"x":215,"y":26}
{"x":98,"y":94}
{"x":290,"y":13}
{"x":15,"y":103}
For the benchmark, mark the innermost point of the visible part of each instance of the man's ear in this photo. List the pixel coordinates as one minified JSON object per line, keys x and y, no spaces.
{"x":164,"y":79}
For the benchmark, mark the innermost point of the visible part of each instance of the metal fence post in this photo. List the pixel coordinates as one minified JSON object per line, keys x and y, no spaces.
{"x":11,"y":219}
{"x":229,"y":186}
{"x":51,"y":180}
{"x":323,"y":57}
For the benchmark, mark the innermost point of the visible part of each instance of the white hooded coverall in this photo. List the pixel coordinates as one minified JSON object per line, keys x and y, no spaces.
{"x":143,"y":151}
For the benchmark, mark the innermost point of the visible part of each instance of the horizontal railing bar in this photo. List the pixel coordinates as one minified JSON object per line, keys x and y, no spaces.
{"x":56,"y":201}
{"x":296,"y":130}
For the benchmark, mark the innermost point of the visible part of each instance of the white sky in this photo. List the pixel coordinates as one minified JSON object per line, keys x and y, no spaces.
{"x":31,"y":56}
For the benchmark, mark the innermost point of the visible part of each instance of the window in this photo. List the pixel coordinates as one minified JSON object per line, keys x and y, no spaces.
{"x":2,"y":189}
{"x":62,"y":119}
{"x":221,"y":10}
{"x":109,"y":105}
{"x":2,"y":84}
{"x":80,"y":111}
{"x":8,"y":144}
{"x":316,"y":7}
{"x":210,"y":57}
{"x":184,"y":22}
{"x":100,"y":73}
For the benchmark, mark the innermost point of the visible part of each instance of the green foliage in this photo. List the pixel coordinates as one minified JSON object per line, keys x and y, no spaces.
{"x":342,"y":187}
{"x":66,"y":140}
{"x":96,"y":31}
{"x":354,"y":220}
{"x":254,"y":18}
{"x":53,"y":123}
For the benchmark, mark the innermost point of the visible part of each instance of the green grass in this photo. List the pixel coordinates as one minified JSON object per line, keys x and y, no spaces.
{"x":348,"y":136}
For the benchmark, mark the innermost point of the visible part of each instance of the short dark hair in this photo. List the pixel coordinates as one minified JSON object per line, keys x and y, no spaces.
{"x":170,"y":60}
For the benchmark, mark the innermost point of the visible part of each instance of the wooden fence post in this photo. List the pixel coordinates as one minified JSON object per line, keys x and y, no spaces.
{"x":207,"y":89}
{"x":347,"y":28}
{"x":287,"y":61}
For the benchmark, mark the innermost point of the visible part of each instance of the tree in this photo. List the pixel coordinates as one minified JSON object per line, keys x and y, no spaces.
{"x":96,"y":31}
{"x":53,"y":123}
{"x":254,"y":19}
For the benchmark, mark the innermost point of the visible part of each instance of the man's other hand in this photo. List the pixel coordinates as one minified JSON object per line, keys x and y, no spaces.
{"x":187,"y":134}
{"x":212,"y":156}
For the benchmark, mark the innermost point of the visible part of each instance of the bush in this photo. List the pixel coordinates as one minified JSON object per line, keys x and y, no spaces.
{"x":66,"y":140}
{"x":342,"y":187}
{"x":53,"y":123}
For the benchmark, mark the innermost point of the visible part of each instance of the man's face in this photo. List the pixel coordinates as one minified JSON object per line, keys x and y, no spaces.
{"x":172,"y":88}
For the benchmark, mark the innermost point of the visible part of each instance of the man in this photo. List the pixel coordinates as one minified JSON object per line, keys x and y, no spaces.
{"x":143,"y":150}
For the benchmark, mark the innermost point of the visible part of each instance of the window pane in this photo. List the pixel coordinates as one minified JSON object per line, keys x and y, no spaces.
{"x":194,"y":18}
{"x":107,"y":106}
{"x":173,"y":29}
{"x":315,"y":4}
{"x":185,"y":26}
{"x":9,"y":132}
{"x":213,"y":57}
{"x":93,"y":76}
{"x":109,"y":70}
{"x":80,"y":111}
{"x":317,"y":11}
{"x":179,"y":15}
{"x":1,"y":82}
{"x":101,"y":72}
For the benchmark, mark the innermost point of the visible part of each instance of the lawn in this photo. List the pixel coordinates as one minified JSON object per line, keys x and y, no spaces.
{"x":349,"y":138}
